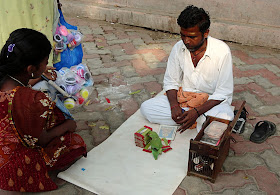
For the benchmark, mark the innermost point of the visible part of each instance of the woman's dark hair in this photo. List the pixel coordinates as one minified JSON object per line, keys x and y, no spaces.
{"x":24,"y":47}
{"x":192,"y":16}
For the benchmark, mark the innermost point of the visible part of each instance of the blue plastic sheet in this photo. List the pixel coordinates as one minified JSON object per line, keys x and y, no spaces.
{"x":69,"y":57}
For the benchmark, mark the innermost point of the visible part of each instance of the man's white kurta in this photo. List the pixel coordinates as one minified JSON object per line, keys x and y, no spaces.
{"x":212,"y":75}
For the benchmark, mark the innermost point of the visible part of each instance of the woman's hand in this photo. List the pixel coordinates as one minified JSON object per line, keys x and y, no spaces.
{"x":50,"y":73}
{"x":187,"y":119}
{"x":70,"y":125}
{"x":47,"y":136}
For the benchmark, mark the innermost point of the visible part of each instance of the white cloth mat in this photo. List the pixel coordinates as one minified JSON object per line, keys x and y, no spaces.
{"x":117,"y":166}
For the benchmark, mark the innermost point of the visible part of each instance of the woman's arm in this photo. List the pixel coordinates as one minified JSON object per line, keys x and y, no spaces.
{"x":49,"y":73}
{"x":48,"y":135}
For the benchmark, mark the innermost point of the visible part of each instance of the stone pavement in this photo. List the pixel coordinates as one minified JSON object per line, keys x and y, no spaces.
{"x":128,"y":63}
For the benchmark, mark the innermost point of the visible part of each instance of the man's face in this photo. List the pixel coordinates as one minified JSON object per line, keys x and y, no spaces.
{"x":193,"y":38}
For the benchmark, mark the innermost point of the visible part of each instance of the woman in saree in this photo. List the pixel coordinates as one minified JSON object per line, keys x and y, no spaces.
{"x":35,"y":137}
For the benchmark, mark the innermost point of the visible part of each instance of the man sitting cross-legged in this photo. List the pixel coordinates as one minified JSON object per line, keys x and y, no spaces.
{"x":198,"y":80}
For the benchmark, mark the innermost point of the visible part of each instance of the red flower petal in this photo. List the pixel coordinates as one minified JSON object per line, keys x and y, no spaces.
{"x":108,"y":100}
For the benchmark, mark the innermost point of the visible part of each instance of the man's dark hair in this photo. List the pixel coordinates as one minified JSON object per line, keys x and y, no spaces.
{"x":192,"y":16}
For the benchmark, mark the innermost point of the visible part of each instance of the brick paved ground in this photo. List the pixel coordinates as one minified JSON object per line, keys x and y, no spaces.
{"x":128,"y":63}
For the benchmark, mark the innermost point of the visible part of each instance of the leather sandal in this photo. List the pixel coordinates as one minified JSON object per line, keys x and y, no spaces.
{"x":262,"y":131}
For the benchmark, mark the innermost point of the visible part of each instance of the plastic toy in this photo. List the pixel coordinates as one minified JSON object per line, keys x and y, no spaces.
{"x":63,"y":30}
{"x":70,"y":37}
{"x":81,"y":100}
{"x":64,"y":38}
{"x":73,"y":89}
{"x":84,"y":93}
{"x":77,"y":82}
{"x":78,"y":37}
{"x":57,"y":38}
{"x":69,"y":103}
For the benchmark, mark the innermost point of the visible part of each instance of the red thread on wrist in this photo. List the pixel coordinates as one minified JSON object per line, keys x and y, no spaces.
{"x":177,"y":105}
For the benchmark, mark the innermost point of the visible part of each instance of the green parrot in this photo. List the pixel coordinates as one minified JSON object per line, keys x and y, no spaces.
{"x":156,"y":144}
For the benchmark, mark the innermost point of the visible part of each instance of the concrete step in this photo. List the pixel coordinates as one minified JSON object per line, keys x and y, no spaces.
{"x":224,"y":29}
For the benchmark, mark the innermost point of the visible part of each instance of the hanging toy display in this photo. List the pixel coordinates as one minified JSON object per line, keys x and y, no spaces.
{"x":77,"y":82}
{"x":64,"y":38}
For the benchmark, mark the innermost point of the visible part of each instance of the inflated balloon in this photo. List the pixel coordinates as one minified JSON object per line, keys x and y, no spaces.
{"x":77,"y":82}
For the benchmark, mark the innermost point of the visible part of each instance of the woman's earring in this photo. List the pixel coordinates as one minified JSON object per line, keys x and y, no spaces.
{"x":32,"y":75}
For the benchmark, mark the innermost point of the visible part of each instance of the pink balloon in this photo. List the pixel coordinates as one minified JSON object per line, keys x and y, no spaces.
{"x":63,"y":31}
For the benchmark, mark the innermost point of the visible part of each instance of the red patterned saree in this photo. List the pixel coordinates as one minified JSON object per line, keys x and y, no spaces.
{"x":24,"y":165}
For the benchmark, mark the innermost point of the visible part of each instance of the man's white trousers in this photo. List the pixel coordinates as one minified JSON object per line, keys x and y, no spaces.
{"x":157,"y":110}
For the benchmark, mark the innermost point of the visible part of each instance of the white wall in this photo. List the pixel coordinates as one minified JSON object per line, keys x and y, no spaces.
{"x":250,"y":22}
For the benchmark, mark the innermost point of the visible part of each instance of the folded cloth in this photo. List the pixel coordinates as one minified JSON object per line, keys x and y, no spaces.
{"x":191,"y":100}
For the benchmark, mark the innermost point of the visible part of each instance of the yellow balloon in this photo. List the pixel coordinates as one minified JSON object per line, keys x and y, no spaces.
{"x":84,"y":93}
{"x":69,"y":103}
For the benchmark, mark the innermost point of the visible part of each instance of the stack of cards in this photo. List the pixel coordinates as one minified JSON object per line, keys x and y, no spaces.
{"x":141,"y":136}
{"x":167,"y":131}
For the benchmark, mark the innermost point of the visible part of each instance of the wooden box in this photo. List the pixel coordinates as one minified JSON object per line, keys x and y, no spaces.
{"x":205,"y":160}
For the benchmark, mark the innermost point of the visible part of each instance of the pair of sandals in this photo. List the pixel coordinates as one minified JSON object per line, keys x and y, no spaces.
{"x":262,"y":131}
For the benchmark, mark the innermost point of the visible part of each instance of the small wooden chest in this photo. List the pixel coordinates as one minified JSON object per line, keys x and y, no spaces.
{"x":206,"y":160}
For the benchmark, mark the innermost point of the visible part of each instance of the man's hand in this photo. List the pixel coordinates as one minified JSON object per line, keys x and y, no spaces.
{"x":176,"y":113}
{"x":187,"y":119}
{"x":176,"y":110}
